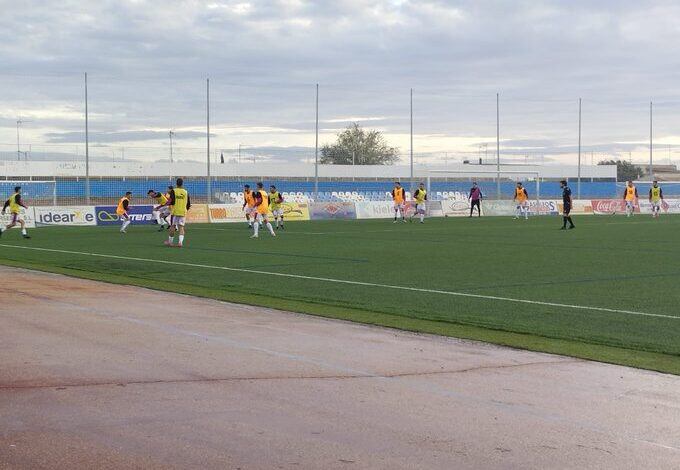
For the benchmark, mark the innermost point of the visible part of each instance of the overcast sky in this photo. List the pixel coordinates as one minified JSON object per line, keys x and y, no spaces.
{"x":147,"y":62}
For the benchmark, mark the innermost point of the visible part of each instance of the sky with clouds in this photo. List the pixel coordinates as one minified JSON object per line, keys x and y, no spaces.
{"x":147,"y":62}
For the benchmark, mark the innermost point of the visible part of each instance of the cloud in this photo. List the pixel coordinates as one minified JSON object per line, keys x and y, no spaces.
{"x":124,"y":136}
{"x":148,"y":60}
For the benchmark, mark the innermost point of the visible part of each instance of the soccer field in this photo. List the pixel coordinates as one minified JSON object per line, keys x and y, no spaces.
{"x":606,"y":291}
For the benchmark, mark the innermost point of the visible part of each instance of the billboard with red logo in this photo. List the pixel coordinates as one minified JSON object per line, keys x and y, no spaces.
{"x":610,"y":206}
{"x":332,"y":210}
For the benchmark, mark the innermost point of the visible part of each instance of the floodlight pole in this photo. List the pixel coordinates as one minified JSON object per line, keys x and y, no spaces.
{"x":412,"y":187}
{"x":87,"y":147}
{"x":316,"y":148}
{"x":207,"y":127}
{"x":171,"y":134}
{"x":18,"y":147}
{"x":651,"y":175}
{"x":578,"y":185}
{"x":498,"y":148}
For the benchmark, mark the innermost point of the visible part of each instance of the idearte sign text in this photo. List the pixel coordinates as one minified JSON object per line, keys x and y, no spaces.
{"x":64,"y":215}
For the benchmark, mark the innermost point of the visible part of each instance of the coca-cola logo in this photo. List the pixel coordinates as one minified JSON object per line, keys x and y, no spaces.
{"x":608,"y":205}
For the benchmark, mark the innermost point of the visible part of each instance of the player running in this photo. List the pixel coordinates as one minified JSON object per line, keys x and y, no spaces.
{"x":522,"y":198}
{"x":15,"y":203}
{"x":399,"y":198}
{"x":180,"y":204}
{"x":420,"y":196}
{"x":276,"y":205}
{"x":567,"y":204}
{"x":123,"y":211}
{"x":161,"y":212}
{"x":630,"y":195}
{"x":262,"y":210}
{"x":249,"y":205}
{"x":475,"y":198}
{"x":656,"y":198}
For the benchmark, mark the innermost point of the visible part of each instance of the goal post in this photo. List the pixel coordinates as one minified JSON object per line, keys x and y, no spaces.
{"x":36,"y":192}
{"x":460,"y":180}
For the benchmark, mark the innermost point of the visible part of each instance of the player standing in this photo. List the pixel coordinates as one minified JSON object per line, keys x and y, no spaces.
{"x":122,"y":211}
{"x":567,"y":204}
{"x":655,"y":198}
{"x":15,"y":203}
{"x":262,"y":210}
{"x":161,"y":212}
{"x":399,"y":198}
{"x":276,"y":201}
{"x":420,"y":196}
{"x":630,"y":195}
{"x":180,"y":203}
{"x":475,"y":198}
{"x":522,"y":198}
{"x":249,"y":205}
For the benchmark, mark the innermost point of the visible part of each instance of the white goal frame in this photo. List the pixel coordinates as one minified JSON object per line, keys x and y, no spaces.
{"x":29,"y":182}
{"x":485,"y":174}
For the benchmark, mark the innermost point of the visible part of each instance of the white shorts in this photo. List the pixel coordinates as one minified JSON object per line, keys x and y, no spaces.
{"x":124,"y":216}
{"x":630,"y":204}
{"x":421,"y":208}
{"x":277,"y":213}
{"x":250,"y":210}
{"x":178,"y":221}
{"x":656,"y":205}
{"x":164,"y":211}
{"x":399,"y":206}
{"x":260,"y":217}
{"x":523,"y":204}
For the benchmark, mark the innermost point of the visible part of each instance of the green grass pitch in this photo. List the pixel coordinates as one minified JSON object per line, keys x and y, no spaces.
{"x":629,"y":266}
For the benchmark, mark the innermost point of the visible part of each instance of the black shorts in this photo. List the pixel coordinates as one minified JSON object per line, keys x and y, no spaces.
{"x":567,"y":209}
{"x":474,"y":202}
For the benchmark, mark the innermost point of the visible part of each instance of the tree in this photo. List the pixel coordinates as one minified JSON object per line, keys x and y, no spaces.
{"x":625,"y":171}
{"x":360,"y":147}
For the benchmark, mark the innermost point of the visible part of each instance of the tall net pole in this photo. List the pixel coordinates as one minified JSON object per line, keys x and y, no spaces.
{"x":578,"y":184}
{"x":207,"y":125}
{"x":87,"y":147}
{"x":498,"y":148}
{"x":316,"y":148}
{"x":412,"y":186}
{"x":651,"y":176}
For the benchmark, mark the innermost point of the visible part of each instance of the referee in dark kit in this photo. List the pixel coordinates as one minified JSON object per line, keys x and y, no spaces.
{"x":567,"y":203}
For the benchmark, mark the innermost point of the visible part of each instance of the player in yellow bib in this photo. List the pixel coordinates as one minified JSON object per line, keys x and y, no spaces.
{"x":249,"y":205}
{"x":180,"y":204}
{"x":420,"y":197}
{"x":522,"y":198}
{"x":122,"y":210}
{"x":262,"y":211}
{"x":276,"y":206}
{"x":656,"y":199}
{"x":630,"y":196}
{"x":15,"y":203}
{"x":161,"y":211}
{"x":399,"y":198}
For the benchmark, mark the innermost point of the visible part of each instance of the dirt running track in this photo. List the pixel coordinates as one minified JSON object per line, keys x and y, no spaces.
{"x":94,"y":375}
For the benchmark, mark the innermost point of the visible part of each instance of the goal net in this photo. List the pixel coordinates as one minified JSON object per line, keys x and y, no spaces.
{"x":36,"y":193}
{"x":452,"y":187}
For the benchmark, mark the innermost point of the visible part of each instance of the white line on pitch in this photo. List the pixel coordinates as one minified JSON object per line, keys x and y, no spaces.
{"x":344,"y":281}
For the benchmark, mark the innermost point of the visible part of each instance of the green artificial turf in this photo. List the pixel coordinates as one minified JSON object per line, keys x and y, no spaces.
{"x":607,"y":262}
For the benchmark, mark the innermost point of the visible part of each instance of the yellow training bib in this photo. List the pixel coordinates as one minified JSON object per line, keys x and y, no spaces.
{"x":181,"y":199}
